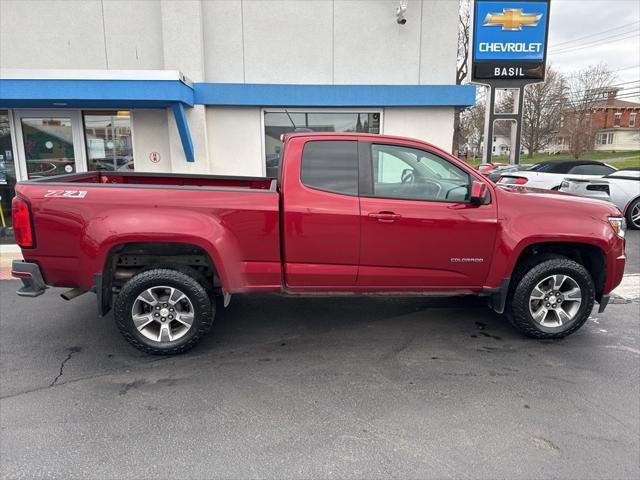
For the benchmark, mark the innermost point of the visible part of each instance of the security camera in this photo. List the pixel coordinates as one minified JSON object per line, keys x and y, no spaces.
{"x":401,"y":11}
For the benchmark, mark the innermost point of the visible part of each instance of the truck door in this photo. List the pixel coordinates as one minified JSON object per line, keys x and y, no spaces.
{"x":418,"y":228}
{"x":321,"y":213}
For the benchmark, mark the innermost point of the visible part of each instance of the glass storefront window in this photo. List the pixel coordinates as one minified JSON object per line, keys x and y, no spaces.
{"x":48,"y":146}
{"x":277,"y":123}
{"x":108,"y":140}
{"x":7,"y":178}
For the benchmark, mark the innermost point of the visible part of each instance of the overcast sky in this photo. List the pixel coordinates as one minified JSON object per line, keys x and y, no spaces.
{"x":586,"y":32}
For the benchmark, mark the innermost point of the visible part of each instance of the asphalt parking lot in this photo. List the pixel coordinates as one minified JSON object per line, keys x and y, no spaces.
{"x":320,"y":388}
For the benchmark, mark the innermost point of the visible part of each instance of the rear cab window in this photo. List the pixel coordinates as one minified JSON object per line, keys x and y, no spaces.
{"x":591,"y":169}
{"x":331,"y":166}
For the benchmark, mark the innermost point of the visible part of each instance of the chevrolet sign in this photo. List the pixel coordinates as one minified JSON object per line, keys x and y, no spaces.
{"x":509,"y":40}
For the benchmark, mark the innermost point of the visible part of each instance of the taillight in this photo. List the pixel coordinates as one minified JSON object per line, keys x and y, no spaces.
{"x":21,"y":215}
{"x":511,"y":180}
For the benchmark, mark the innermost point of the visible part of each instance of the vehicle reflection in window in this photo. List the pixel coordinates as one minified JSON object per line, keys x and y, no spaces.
{"x":48,"y":146}
{"x":108,"y":140}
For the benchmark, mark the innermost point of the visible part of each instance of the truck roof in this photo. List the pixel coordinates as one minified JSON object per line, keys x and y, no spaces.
{"x":285,"y":136}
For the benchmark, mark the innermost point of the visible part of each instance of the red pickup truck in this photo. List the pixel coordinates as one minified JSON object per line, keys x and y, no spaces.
{"x":348,"y":214}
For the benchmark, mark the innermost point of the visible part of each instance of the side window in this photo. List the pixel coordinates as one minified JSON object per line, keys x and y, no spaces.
{"x":591,"y":170}
{"x":331,"y":166}
{"x":409,"y":173}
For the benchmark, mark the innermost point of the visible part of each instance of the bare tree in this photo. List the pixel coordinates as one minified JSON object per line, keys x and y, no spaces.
{"x":462,"y":65}
{"x":583,"y":91}
{"x":542,"y":112}
{"x":472,"y":127}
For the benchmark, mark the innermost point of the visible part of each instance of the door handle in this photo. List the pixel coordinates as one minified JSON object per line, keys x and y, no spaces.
{"x":385,"y":217}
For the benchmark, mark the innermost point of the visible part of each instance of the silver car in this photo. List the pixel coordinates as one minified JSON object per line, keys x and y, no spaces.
{"x":622,"y":188}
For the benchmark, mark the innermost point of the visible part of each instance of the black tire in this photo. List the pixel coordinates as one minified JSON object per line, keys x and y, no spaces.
{"x":519,"y":313}
{"x":630,"y":223}
{"x":203,"y":310}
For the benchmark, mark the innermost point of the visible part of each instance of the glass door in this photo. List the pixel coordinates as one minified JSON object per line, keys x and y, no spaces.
{"x":49,"y":142}
{"x":7,"y":178}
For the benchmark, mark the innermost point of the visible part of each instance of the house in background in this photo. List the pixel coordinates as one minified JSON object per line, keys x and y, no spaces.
{"x":501,"y":145}
{"x":612,"y":125}
{"x":616,"y":124}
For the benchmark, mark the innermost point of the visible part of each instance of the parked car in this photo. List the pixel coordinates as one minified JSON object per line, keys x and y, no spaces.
{"x":349,"y":213}
{"x":622,"y":188}
{"x":550,"y":174}
{"x":495,"y":174}
{"x":488,"y":167}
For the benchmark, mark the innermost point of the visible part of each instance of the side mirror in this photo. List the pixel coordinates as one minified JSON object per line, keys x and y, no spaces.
{"x":478,"y":193}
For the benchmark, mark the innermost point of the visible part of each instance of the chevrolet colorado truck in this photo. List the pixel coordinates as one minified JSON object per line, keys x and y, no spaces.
{"x":347,"y":214}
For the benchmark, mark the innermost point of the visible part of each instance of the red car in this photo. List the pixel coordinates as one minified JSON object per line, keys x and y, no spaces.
{"x":488,"y":167}
{"x":348,"y":214}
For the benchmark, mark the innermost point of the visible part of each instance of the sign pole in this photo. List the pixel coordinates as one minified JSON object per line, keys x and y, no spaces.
{"x":515,"y":116}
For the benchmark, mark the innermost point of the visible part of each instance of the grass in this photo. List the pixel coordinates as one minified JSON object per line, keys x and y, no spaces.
{"x":626,"y":159}
{"x":631,"y":163}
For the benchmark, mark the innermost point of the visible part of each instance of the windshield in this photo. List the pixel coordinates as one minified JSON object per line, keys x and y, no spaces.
{"x":541,"y":167}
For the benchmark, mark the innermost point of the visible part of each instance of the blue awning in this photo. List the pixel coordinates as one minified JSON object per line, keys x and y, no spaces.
{"x":109,"y":89}
{"x":304,"y":95}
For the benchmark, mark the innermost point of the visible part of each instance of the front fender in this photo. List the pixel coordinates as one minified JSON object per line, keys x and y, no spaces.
{"x":522,"y":231}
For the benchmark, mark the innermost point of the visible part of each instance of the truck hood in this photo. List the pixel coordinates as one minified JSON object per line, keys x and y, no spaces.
{"x":570,"y":202}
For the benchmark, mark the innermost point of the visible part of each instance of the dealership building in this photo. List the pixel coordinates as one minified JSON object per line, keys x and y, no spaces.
{"x":208,"y":87}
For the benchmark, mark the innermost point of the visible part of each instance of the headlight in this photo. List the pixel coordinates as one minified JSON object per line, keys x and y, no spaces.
{"x":619,"y":225}
{"x":564,"y":184}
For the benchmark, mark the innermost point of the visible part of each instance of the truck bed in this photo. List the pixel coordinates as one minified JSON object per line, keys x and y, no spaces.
{"x":78,"y":219}
{"x":142,"y":179}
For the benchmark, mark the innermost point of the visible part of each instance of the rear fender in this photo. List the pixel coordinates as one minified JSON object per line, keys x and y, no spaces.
{"x":121,"y":226}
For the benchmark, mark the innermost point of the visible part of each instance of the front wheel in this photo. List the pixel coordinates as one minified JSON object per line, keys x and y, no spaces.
{"x":553,"y":299}
{"x":163,"y":311}
{"x":633,"y":215}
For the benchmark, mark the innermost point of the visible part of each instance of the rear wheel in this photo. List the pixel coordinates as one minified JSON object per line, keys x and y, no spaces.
{"x":633,"y":214}
{"x":163,"y":311}
{"x":552,"y":299}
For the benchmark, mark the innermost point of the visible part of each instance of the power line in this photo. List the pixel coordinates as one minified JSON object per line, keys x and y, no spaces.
{"x":598,"y":33}
{"x":632,"y":31}
{"x":611,"y":39}
{"x":626,"y":68}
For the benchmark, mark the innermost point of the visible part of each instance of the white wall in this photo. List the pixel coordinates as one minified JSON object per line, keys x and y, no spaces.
{"x":235,"y":139}
{"x":224,"y":44}
{"x":439,"y":42}
{"x":150,"y":134}
{"x":287,"y":42}
{"x":259,"y":41}
{"x":51,"y":34}
{"x":433,"y":125}
{"x":133,"y":35}
{"x":371,"y":47}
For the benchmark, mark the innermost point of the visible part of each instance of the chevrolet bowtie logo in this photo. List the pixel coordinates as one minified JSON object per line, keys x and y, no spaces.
{"x":512,"y":19}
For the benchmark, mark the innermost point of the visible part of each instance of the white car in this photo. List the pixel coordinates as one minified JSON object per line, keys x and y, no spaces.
{"x":550,"y":174}
{"x":622,"y":188}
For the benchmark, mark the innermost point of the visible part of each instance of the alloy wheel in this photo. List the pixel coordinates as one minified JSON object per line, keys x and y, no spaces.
{"x":162,"y":314}
{"x":555,"y":301}
{"x":635,"y":215}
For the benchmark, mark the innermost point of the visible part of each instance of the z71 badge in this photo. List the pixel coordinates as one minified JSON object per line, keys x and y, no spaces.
{"x":66,"y":193}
